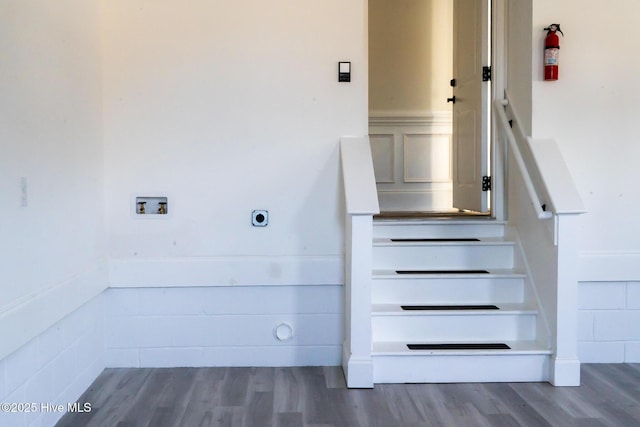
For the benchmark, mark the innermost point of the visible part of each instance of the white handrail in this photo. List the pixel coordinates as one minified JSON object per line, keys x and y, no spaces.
{"x":506,"y":129}
{"x":556,"y":177}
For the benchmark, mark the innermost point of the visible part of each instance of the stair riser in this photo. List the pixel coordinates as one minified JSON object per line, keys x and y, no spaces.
{"x":526,"y":360}
{"x":442,"y":257}
{"x":455,"y":230}
{"x":416,"y":327}
{"x":455,"y":369}
{"x":448,"y":291}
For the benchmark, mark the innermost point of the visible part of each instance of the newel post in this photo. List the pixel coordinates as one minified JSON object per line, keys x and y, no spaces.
{"x":357,"y":363}
{"x":361,"y":203}
{"x":565,"y":365}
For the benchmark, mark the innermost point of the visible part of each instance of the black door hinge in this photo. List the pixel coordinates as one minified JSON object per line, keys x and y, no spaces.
{"x":486,"y":183}
{"x":486,"y":74}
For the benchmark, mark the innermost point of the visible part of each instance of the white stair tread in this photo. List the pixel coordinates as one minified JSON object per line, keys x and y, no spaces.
{"x":396,"y":310}
{"x":391,"y":348}
{"x":493,"y":274}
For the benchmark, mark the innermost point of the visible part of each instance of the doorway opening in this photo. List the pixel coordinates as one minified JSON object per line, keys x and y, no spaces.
{"x":429,"y":106}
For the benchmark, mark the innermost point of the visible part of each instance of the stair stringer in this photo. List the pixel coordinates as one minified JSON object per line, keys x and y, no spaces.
{"x":550,"y":263}
{"x":543,"y":330}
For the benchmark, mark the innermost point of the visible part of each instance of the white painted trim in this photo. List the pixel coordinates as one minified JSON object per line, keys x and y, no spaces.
{"x":358,"y":177}
{"x":505,"y":129}
{"x":408,"y":118}
{"x":499,"y":48}
{"x":357,"y":363}
{"x":544,"y":325}
{"x":608,"y":266}
{"x":40,"y":310}
{"x":564,"y":372}
{"x":557,"y":178}
{"x":566,"y":366}
{"x":359,"y":372}
{"x":226,"y":271}
{"x":456,"y":368}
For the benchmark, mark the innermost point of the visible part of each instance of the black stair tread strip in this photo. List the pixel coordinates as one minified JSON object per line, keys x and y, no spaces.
{"x":442,"y":272}
{"x":437,"y":240}
{"x":451,"y":307}
{"x":460,"y":346}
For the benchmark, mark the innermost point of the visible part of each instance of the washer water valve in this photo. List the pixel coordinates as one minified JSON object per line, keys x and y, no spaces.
{"x":152,"y":205}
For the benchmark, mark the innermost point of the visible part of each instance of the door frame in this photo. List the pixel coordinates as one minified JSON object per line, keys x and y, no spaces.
{"x":498,"y":86}
{"x":498,"y":48}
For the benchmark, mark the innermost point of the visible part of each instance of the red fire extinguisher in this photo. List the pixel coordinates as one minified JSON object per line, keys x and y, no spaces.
{"x":551,"y":52}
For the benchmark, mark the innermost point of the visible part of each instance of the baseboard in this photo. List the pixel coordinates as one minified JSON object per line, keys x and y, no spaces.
{"x":565,"y":372}
{"x":241,"y":356}
{"x":609,"y":266}
{"x":35,"y":314}
{"x":357,"y":372}
{"x":226,"y":271}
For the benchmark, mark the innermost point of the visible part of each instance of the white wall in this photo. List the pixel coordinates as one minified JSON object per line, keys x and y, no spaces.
{"x":609,"y":315}
{"x":51,"y":244}
{"x":226,"y":107}
{"x":54,"y":368}
{"x":224,"y":326}
{"x":591,"y":111}
{"x":223,"y":108}
{"x":518,"y":57}
{"x":410,"y":55}
{"x":52,"y":233}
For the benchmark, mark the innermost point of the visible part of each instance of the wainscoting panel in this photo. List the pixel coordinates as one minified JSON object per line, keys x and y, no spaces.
{"x":427,"y":158}
{"x":383,"y":152}
{"x":412,"y":160}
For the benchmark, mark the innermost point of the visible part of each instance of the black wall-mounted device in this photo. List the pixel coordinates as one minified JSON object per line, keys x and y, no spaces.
{"x":344,"y":71}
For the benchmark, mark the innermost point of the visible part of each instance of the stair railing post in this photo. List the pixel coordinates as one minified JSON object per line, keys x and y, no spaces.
{"x":361,"y":203}
{"x":357,"y":362}
{"x":565,"y":365}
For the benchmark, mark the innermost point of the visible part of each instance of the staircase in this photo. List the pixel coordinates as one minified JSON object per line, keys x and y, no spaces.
{"x":468,"y":313}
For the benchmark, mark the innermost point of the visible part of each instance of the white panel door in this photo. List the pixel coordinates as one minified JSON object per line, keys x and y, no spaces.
{"x":470,"y":103}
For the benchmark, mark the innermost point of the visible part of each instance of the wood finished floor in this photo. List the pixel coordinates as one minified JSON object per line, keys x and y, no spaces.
{"x":317,"y":396}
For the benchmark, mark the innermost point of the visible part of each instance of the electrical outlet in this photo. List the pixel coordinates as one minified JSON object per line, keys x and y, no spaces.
{"x":260,"y":218}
